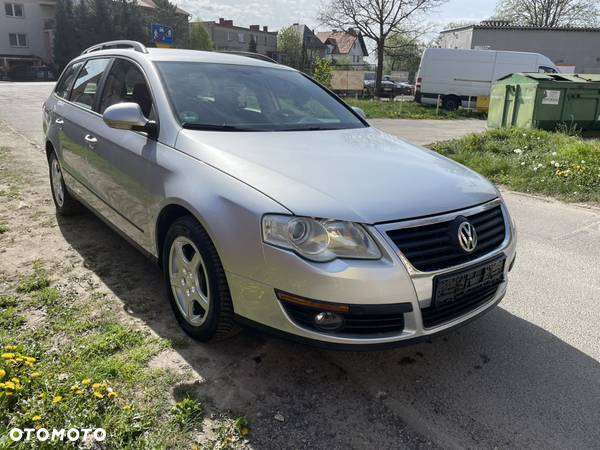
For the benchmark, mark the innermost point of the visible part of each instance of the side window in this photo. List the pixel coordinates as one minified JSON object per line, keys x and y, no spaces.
{"x":126,"y":83}
{"x":64,"y":84}
{"x":86,"y":85}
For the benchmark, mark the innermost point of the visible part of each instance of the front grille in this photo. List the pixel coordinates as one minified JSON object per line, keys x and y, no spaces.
{"x":360,"y":320}
{"x":432,"y":247}
{"x":433,"y":315}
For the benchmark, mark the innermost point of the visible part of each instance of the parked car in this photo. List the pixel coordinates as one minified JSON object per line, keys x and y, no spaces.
{"x":388,"y":88}
{"x":266,"y":200}
{"x":31,"y":73}
{"x":455,"y":75}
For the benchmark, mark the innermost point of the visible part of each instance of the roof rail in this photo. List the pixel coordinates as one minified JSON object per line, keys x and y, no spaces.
{"x":250,"y":55}
{"x":137,"y":46}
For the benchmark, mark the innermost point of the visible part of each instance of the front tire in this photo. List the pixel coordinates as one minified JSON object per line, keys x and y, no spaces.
{"x":66,"y":204}
{"x":197,"y":287}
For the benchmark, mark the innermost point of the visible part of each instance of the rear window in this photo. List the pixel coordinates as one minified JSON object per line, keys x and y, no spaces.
{"x":66,"y":80}
{"x":88,"y":80}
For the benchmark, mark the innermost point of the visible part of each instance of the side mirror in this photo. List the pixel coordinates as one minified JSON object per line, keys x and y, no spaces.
{"x":360,"y":112}
{"x":128,"y":116}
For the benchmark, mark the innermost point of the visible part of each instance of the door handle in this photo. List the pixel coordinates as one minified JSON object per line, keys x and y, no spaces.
{"x":91,"y":140}
{"x":59,"y":121}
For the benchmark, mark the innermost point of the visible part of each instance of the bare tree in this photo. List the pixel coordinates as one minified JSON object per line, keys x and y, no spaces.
{"x":549,"y":13}
{"x":377,"y":20}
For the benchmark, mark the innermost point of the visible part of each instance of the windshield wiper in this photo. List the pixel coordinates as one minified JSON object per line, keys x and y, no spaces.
{"x":307,"y":129}
{"x":209,"y":127}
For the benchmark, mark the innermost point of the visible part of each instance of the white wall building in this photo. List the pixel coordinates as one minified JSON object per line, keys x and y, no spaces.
{"x":26,"y":32}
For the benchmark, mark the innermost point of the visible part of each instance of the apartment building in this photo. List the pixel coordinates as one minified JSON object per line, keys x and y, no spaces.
{"x":227,"y":36}
{"x":26,"y":33}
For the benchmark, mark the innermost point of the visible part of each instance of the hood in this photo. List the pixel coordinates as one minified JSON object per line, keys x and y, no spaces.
{"x":361,"y":175}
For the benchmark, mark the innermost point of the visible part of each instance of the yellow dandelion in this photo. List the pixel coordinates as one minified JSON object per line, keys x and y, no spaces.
{"x":78,"y":392}
{"x":28,"y":364}
{"x":112,"y":395}
{"x":19,"y":359}
{"x":30,"y":359}
{"x":96,"y":386}
{"x":57,"y":399}
{"x":8,"y":355}
{"x":86,"y":381}
{"x":9,"y":393}
{"x":10,"y":348}
{"x":9,"y":385}
{"x":98,"y":395}
{"x":15,"y":380}
{"x":2,"y":386}
{"x":2,"y":373}
{"x":36,"y":418}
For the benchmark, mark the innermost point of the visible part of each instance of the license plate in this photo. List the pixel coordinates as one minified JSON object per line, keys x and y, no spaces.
{"x":451,"y":287}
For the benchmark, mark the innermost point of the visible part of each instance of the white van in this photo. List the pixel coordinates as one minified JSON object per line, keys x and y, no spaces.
{"x":456,"y":75}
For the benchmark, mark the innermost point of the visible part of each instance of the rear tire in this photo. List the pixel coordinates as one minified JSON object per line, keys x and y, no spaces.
{"x":197,"y":286}
{"x":66,"y":204}
{"x":451,"y":103}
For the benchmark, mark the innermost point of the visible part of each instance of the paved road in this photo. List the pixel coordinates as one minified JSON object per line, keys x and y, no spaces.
{"x":425,"y":132}
{"x":526,"y":375}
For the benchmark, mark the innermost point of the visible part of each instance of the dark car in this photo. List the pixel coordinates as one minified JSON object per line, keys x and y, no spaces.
{"x":31,"y":73}
{"x":388,"y":88}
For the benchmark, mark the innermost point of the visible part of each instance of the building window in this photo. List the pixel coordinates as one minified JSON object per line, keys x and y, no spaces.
{"x":229,"y":38}
{"x":13,"y":9}
{"x":266,"y":40}
{"x":17,"y":39}
{"x":241,"y":37}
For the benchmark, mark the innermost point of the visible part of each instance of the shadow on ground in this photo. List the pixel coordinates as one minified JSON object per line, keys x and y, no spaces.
{"x":499,"y":382}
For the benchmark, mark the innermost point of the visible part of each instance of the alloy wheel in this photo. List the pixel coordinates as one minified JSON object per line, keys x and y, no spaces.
{"x":189,"y":281}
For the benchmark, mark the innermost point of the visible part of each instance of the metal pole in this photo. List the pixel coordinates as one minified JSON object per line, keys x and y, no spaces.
{"x":469,"y":104}
{"x":437,"y":106}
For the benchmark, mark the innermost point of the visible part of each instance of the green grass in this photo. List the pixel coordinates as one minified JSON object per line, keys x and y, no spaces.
{"x":377,"y":109}
{"x":98,"y":376}
{"x":3,"y":228}
{"x":34,"y":282}
{"x":535,"y":161}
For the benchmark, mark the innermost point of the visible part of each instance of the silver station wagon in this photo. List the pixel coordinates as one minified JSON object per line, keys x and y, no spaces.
{"x":267,"y":201}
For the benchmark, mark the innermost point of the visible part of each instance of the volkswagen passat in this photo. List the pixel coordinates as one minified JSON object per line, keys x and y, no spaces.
{"x":267,"y":200}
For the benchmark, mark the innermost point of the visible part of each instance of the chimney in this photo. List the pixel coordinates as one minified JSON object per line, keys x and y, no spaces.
{"x":254,"y":27}
{"x":266,"y":29}
{"x":228,"y":23}
{"x":221,"y":20}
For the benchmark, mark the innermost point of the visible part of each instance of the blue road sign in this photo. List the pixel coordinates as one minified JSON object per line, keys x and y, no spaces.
{"x":161,"y":34}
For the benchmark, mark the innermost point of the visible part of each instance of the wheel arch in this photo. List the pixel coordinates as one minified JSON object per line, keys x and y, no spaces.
{"x":169,"y":213}
{"x":49,"y":147}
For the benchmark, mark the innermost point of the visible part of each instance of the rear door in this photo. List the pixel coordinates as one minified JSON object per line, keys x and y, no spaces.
{"x":78,"y":120}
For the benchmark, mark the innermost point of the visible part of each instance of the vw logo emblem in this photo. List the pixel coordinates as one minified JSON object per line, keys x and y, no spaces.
{"x":467,"y":237}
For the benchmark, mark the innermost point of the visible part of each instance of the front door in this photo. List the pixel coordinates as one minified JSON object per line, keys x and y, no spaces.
{"x":123,"y":169}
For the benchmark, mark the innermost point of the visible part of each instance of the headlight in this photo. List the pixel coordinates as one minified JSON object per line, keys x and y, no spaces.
{"x":319,"y":240}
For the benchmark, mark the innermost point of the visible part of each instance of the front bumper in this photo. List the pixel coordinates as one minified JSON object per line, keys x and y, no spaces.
{"x":389,"y":281}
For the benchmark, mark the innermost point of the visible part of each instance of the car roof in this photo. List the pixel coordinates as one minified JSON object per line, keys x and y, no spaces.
{"x":178,"y":55}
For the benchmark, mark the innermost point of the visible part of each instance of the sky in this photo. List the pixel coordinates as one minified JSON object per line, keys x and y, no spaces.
{"x":280,"y":13}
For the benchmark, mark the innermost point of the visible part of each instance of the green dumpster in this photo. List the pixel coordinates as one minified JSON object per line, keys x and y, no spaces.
{"x":545,"y":100}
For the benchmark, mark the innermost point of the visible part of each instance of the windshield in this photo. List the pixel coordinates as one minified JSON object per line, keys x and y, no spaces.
{"x":248,"y":98}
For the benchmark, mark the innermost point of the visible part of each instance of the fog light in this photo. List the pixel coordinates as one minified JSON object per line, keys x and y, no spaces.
{"x":328,"y":321}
